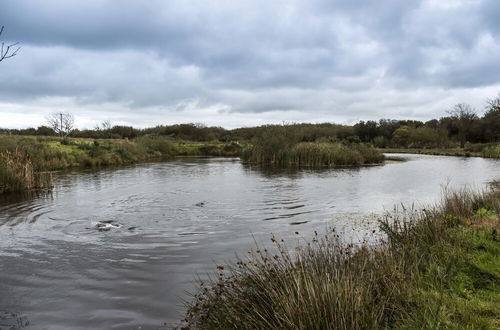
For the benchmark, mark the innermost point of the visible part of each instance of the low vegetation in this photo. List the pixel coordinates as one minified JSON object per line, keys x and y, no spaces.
{"x":17,"y":173}
{"x":281,"y":146}
{"x":492,"y":151}
{"x":435,"y":269}
{"x":485,"y":150}
{"x":313,"y":154}
{"x":26,"y":161}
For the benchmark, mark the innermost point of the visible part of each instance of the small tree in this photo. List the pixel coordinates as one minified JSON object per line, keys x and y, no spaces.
{"x":61,"y":123}
{"x":401,"y":136}
{"x":8,"y":51}
{"x":491,"y":120}
{"x":463,"y":116}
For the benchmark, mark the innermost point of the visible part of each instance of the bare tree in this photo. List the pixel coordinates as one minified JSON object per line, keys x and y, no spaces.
{"x":493,"y":104}
{"x":61,"y":123}
{"x":105,"y":125}
{"x":8,"y":51}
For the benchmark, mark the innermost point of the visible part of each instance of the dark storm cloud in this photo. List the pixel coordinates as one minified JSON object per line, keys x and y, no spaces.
{"x":340,"y":57}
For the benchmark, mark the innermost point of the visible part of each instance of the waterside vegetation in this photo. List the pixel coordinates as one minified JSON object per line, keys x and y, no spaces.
{"x":485,"y":150}
{"x":26,"y":162}
{"x":435,"y":269}
{"x":282,"y":147}
{"x":26,"y":155}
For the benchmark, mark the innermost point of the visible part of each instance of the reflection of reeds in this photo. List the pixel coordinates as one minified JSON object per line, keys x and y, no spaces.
{"x":313,"y":154}
{"x":17,"y":173}
{"x":436,"y":268}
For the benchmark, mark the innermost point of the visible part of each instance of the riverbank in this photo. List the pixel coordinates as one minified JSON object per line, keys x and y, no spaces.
{"x":478,"y":150}
{"x":26,"y":161}
{"x":436,"y":268}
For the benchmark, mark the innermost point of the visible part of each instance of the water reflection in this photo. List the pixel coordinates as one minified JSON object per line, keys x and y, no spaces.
{"x":270,"y":172}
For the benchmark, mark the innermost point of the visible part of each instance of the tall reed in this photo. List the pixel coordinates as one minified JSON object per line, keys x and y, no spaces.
{"x":313,"y":154}
{"x":491,"y":151}
{"x":17,"y":173}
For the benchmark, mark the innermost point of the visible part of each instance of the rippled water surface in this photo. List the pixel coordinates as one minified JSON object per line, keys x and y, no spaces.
{"x":173,"y":220}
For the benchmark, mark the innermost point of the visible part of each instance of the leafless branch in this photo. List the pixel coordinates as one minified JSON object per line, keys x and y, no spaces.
{"x":8,"y":51}
{"x":61,"y":123}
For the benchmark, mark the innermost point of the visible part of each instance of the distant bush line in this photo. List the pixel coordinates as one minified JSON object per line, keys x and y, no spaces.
{"x":462,"y":125}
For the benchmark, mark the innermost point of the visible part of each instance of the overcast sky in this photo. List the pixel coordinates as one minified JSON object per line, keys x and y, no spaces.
{"x":243,"y":63}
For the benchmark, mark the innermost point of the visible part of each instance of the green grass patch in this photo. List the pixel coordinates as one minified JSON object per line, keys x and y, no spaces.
{"x":489,"y":150}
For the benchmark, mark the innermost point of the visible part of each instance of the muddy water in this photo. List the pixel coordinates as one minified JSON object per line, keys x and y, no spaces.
{"x":117,"y":249}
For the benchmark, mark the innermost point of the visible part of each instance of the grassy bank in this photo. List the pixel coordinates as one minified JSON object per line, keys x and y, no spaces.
{"x":25,"y":160}
{"x":436,"y":269}
{"x":491,"y":150}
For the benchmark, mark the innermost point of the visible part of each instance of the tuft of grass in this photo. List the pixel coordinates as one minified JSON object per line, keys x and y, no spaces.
{"x":435,"y":268}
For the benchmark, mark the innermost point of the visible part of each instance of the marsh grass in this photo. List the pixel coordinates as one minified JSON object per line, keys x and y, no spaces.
{"x":492,"y":151}
{"x":313,"y":154}
{"x":284,"y":146}
{"x":435,"y":268}
{"x":17,"y":173}
{"x":485,"y":150}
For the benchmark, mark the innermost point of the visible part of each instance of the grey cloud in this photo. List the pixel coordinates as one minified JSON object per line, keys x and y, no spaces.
{"x":490,"y":12}
{"x":249,"y":56}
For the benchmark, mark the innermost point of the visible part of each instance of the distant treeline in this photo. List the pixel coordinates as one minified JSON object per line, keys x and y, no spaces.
{"x":460,"y":126}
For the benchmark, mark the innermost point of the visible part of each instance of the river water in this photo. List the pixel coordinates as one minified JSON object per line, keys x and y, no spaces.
{"x":170,"y":221}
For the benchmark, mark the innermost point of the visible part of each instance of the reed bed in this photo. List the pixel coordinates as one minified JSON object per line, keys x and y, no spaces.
{"x":435,"y":269}
{"x":491,"y":151}
{"x":313,"y":154}
{"x":17,"y":173}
